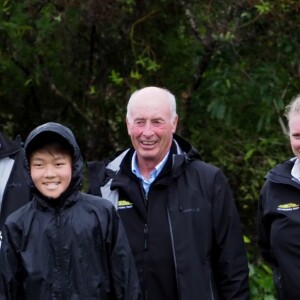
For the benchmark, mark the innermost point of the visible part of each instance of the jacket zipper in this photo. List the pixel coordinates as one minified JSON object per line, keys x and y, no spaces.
{"x":59,"y":258}
{"x":171,"y":232}
{"x":211,"y":287}
{"x":174,"y":256}
{"x":145,"y":249}
{"x":145,"y":237}
{"x":278,"y":283}
{"x":143,"y":285}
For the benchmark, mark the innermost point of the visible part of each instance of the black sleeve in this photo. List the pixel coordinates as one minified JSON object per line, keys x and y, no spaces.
{"x":96,"y":175}
{"x":125,"y":282}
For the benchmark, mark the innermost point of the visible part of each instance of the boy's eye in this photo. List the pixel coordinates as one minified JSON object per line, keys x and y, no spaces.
{"x":37,"y":165}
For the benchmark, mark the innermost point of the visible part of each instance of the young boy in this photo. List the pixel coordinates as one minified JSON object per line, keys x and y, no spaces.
{"x":64,"y":244}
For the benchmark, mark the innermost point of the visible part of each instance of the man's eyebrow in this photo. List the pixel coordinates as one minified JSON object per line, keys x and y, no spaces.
{"x":138,"y":119}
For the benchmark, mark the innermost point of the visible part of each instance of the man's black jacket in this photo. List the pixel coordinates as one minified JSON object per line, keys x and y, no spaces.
{"x":205,"y":235}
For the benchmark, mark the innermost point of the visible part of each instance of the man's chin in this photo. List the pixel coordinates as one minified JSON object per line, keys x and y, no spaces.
{"x":147,"y":155}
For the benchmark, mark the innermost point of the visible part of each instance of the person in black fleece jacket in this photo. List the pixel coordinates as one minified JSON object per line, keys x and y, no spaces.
{"x":279,"y":214}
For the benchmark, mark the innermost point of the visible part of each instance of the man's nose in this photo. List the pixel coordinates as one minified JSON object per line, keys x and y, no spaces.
{"x":148,"y":129}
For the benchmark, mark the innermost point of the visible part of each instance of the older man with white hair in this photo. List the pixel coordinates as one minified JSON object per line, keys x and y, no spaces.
{"x":178,"y":211}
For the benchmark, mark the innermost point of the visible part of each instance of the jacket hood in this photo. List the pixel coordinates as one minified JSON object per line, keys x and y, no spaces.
{"x":186,"y":148}
{"x":284,"y":167}
{"x":68,"y":136}
{"x":8,"y":147}
{"x":281,"y":173}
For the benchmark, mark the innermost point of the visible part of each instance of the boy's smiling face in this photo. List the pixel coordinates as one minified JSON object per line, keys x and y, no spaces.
{"x":51,"y":173}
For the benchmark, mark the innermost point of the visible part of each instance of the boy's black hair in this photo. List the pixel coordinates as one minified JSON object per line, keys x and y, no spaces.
{"x":50,"y":141}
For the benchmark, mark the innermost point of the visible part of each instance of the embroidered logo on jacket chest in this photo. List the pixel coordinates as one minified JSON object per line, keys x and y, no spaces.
{"x":123,"y":204}
{"x":288,"y":207}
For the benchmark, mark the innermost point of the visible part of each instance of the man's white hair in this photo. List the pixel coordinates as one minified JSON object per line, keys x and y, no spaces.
{"x":137,"y":93}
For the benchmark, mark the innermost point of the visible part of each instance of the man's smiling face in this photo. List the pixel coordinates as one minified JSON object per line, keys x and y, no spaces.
{"x":151,"y":126}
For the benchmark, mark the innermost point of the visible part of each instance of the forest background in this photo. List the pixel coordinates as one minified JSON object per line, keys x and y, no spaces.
{"x":233,"y":66}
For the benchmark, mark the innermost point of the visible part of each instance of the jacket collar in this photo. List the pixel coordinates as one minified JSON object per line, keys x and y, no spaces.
{"x":56,"y":204}
{"x":181,"y":153}
{"x":183,"y":148}
{"x":281,"y":173}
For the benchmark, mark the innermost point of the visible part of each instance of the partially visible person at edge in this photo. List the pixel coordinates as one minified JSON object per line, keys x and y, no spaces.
{"x":279,"y":214}
{"x":14,"y":190}
{"x":63,"y":244}
{"x":178,"y":211}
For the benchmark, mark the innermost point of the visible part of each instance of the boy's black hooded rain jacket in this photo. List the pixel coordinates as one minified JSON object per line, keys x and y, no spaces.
{"x":75,"y":250}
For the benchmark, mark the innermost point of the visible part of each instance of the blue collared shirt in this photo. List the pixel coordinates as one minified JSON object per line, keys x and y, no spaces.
{"x":147,"y":182}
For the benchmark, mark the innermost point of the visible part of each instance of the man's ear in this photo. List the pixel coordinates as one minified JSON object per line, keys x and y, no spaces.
{"x":128,"y":126}
{"x":174,"y":124}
